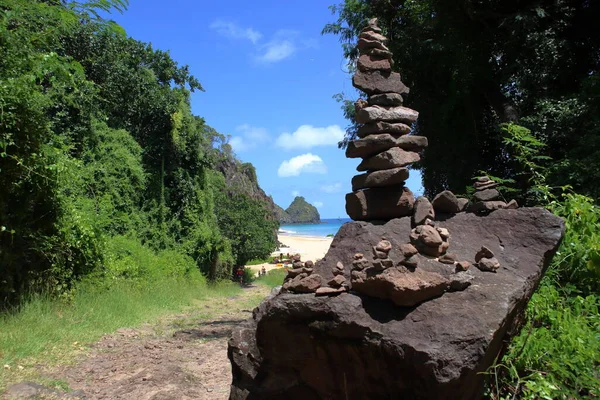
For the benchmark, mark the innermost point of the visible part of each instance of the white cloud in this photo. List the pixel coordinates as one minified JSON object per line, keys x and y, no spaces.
{"x":276,"y":50}
{"x":234,"y":31}
{"x":305,"y":163}
{"x":308,"y":136}
{"x":295,"y":193}
{"x":318,"y":204}
{"x":336,"y":187}
{"x":249,"y":138}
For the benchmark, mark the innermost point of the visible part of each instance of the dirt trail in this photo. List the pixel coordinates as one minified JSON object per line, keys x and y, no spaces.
{"x":183,"y":357}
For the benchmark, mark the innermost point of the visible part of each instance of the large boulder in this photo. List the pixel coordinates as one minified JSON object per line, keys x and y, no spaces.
{"x":355,"y":346}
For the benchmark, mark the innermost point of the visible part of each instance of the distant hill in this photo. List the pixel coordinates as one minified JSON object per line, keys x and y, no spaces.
{"x":299,"y":212}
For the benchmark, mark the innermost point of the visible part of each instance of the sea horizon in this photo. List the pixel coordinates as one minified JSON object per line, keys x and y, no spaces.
{"x":327,"y":227}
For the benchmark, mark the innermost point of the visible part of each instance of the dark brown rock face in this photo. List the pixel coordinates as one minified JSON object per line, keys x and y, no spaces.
{"x":398,"y":129}
{"x":377,"y":82}
{"x":374,"y":144}
{"x":392,"y":158}
{"x":386,"y":177}
{"x":353,"y":346}
{"x":379,"y":203}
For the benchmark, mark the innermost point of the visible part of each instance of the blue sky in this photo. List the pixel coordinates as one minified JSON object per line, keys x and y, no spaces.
{"x":269,"y":77}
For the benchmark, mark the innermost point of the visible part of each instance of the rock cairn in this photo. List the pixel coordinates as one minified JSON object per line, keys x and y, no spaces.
{"x":487,"y":198}
{"x":301,"y":279}
{"x":384,"y":143}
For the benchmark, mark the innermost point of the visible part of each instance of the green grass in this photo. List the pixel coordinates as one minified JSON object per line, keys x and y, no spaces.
{"x":273,"y":278}
{"x":50,"y":331}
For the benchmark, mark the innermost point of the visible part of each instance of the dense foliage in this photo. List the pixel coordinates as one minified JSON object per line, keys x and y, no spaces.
{"x":473,"y":65}
{"x":99,"y":151}
{"x":511,"y":89}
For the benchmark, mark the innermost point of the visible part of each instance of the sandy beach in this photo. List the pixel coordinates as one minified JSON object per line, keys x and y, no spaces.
{"x":309,"y":247}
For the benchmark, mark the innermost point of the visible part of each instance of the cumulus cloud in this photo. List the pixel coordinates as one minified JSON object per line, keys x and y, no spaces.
{"x":318,"y":204}
{"x":249,"y":137}
{"x":305,"y":163}
{"x":295,"y":193}
{"x":234,"y":31}
{"x":308,"y":136}
{"x":336,"y":187}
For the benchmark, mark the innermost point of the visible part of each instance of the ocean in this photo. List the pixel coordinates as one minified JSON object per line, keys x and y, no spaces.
{"x":326,"y":227}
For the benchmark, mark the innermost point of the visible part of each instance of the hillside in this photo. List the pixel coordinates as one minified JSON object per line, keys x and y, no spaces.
{"x":299,"y":212}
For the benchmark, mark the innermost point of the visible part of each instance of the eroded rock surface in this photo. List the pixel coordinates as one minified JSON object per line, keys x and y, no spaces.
{"x":304,"y":346}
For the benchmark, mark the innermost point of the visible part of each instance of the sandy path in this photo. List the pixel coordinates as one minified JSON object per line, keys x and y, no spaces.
{"x":184,"y":357}
{"x":309,"y":247}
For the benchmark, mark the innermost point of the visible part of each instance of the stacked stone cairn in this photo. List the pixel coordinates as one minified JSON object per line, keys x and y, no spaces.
{"x":487,"y":198}
{"x":384,"y":143}
{"x":301,"y":279}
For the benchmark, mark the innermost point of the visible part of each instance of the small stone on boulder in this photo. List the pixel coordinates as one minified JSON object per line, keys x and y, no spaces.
{"x":408,"y":250}
{"x":512,"y":205}
{"x":488,"y":264}
{"x":337,"y":281}
{"x":307,"y":284}
{"x":422,"y":210}
{"x":463,"y":265}
{"x":326,"y":291}
{"x":384,"y":245}
{"x":447,"y":259}
{"x":462,"y":203}
{"x":446,"y":202}
{"x":484,"y":252}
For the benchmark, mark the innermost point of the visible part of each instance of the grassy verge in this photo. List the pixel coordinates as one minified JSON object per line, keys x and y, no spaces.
{"x":48,"y":331}
{"x":273,"y":278}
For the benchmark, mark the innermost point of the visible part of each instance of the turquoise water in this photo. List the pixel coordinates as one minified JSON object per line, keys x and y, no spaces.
{"x":326,"y":227}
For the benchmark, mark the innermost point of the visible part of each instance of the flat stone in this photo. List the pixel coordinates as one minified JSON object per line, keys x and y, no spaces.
{"x":379,"y":203}
{"x":483,"y":252}
{"x":365,"y":44}
{"x":422,"y":211}
{"x":448,"y":259}
{"x":488,"y":264}
{"x":371,"y":35}
{"x":292,"y":273}
{"x":483,"y":179}
{"x":386,"y":100}
{"x":396,"y":129}
{"x":378,"y":53}
{"x":446,"y":202}
{"x":391,"y":158}
{"x":393,"y":114}
{"x":377,"y":82}
{"x":328,"y":291}
{"x":367,"y":64}
{"x":488,"y":206}
{"x":486,"y":195}
{"x":374,"y":144}
{"x":484,"y":185}
{"x":387,"y":177}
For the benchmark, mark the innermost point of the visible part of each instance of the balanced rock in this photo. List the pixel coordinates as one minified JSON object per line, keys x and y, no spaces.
{"x":300,"y":346}
{"x":408,"y":250}
{"x":377,"y":82}
{"x":386,"y":177}
{"x":337,"y":281}
{"x":488,"y":264}
{"x":392,"y":158}
{"x":483,"y":185}
{"x":393,"y":114}
{"x":512,"y":205}
{"x":304,"y":284}
{"x":371,"y":35}
{"x":428,"y":241}
{"x":379,"y":203}
{"x":446,"y":202}
{"x":397,"y":129}
{"x":486,"y":195}
{"x":374,"y":144}
{"x":367,"y":63}
{"x":422,"y":210}
{"x":483,"y":252}
{"x":365,"y":44}
{"x":386,"y":100}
